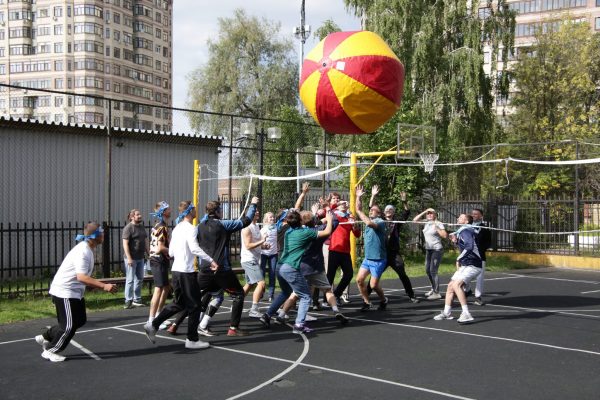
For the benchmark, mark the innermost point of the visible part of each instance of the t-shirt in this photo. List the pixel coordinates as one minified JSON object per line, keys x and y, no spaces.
{"x":80,"y":260}
{"x":252,"y":254}
{"x":136,"y":235}
{"x":270,"y":231}
{"x":295,"y":244}
{"x":433,"y":240}
{"x":375,"y":241}
{"x":160,"y":233}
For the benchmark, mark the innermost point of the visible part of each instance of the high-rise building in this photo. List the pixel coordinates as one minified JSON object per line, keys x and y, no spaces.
{"x":120,"y":49}
{"x":532,"y":15}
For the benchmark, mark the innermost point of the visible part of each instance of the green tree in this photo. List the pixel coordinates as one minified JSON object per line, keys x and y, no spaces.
{"x":250,"y":71}
{"x":556,"y":99}
{"x":326,"y":28}
{"x":440,"y":44}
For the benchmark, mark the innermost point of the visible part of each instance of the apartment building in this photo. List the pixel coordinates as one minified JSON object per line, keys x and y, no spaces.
{"x":533,"y":15}
{"x":119,"y":49}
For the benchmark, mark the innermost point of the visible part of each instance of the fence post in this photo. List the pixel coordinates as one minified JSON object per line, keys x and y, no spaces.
{"x":229,"y":188}
{"x":108,"y":170}
{"x":576,"y":202}
{"x":106,"y":251}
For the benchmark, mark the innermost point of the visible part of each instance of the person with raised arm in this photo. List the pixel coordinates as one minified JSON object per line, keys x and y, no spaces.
{"x":433,"y":232}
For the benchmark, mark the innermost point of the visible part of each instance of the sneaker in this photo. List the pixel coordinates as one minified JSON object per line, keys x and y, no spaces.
{"x":41,"y":341}
{"x":366,"y":306}
{"x":137,"y":304}
{"x":254,"y":314}
{"x":479,"y":301}
{"x":172,"y":329}
{"x":150,"y":332}
{"x":345,"y":298}
{"x":342,"y":318}
{"x":434,"y":296}
{"x":206,"y":332}
{"x":282,"y":319}
{"x":265,"y":320}
{"x":49,"y":355}
{"x":237,"y":332}
{"x":429,"y":293}
{"x":310,"y":318}
{"x":442,"y":316}
{"x":165,"y":325}
{"x":198,"y":344}
{"x":299,"y":329}
{"x":469,"y":293}
{"x":383,"y":305}
{"x":127,"y":305}
{"x":465,"y":317}
{"x":324,"y":304}
{"x":414,"y":300}
{"x":270,"y":300}
{"x":315,"y":307}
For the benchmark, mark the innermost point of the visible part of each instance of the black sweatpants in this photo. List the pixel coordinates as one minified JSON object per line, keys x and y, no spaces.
{"x":225,"y":279}
{"x":343,"y":260}
{"x":71,"y":316}
{"x":186,"y":296}
{"x":397,"y":264}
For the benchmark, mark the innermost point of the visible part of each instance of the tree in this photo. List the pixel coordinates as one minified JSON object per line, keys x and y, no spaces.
{"x":441,"y":45}
{"x":556,"y":99}
{"x":250,"y":71}
{"x":328,"y":27}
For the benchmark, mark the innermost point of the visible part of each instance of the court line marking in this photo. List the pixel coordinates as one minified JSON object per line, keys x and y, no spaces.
{"x":86,"y":351}
{"x":554,"y":279}
{"x":565,"y":312}
{"x":590,"y":291}
{"x":418,"y":388}
{"x":480,"y":336}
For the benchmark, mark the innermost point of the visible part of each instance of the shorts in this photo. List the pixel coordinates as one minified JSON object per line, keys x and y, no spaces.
{"x":252,"y":272}
{"x":160,"y":271}
{"x":466,"y":274}
{"x":375,"y":267}
{"x":318,"y":281}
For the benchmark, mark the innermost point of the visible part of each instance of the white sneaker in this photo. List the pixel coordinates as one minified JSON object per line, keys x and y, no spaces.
{"x":309,"y":318}
{"x":42,"y":342}
{"x":441,"y":316}
{"x":150,"y":332}
{"x":434,"y":296}
{"x":49,"y":355}
{"x":165,"y":325}
{"x":199,"y":344}
{"x":465,"y":317}
{"x":429,"y":293}
{"x":254,"y":314}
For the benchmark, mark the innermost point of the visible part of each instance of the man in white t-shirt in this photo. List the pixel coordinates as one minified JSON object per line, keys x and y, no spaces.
{"x":67,"y":290}
{"x":252,"y":241}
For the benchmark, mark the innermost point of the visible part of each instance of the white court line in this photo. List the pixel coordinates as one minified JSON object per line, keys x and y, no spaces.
{"x":565,"y":312}
{"x":480,"y":336}
{"x":553,"y":279}
{"x":418,"y":388}
{"x":86,"y":351}
{"x":590,"y":291}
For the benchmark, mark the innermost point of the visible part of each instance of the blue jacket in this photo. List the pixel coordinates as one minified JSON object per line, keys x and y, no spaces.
{"x":467,"y":243}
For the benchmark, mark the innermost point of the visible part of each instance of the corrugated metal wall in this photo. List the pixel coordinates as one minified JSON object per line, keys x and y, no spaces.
{"x":49,"y":176}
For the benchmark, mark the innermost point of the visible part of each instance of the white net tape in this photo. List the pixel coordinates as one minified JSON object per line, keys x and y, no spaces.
{"x":429,"y":160}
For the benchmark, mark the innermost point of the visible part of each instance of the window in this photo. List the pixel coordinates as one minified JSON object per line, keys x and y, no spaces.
{"x":116,"y":52}
{"x":58,"y":47}
{"x":59,"y":83}
{"x":107,"y":51}
{"x":43,"y":30}
{"x":2,"y":69}
{"x":598,"y":23}
{"x":88,"y":27}
{"x":58,"y":65}
{"x":597,"y":3}
{"x":20,"y":32}
{"x":89,"y":10}
{"x":42,"y":13}
{"x":58,"y":11}
{"x":58,"y":30}
{"x":88,"y":45}
{"x":44,"y":48}
{"x":58,"y":101}
{"x":117,"y":36}
{"x":107,"y":33}
{"x":117,"y":87}
{"x":158,"y":33}
{"x":1,"y":34}
{"x":116,"y":18}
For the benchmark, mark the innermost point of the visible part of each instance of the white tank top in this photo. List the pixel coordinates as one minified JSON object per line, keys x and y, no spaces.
{"x":252,"y":254}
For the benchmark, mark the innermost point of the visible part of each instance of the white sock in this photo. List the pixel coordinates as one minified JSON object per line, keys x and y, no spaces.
{"x":150,"y":319}
{"x":201,"y":316}
{"x":281,"y":313}
{"x":465,"y":308}
{"x":335,"y":309}
{"x":447,"y":309}
{"x":205,"y":322}
{"x":254,"y":307}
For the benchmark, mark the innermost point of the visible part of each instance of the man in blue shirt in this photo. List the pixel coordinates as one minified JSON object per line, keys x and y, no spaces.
{"x":468,"y":267}
{"x":375,"y":252}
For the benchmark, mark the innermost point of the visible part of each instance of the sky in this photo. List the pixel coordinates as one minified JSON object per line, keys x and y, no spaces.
{"x":195,"y":21}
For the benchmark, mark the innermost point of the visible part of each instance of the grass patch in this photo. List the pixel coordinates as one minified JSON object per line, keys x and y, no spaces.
{"x":34,"y":307}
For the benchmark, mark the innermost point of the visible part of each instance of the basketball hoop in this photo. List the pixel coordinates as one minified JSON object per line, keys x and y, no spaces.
{"x":429,"y":160}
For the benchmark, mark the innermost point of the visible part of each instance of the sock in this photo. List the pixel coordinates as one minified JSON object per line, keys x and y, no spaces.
{"x":465,"y":308}
{"x":335,"y":309}
{"x":254,"y":307}
{"x":281,"y":313}
{"x":150,"y":319}
{"x":201,"y":316}
{"x":447,"y":309}
{"x":205,"y":321}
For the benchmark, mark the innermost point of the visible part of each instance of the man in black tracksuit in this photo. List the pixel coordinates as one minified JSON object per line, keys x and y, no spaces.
{"x":213,"y":237}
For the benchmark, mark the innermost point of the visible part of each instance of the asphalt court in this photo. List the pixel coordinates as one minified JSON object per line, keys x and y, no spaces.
{"x":538,"y":337}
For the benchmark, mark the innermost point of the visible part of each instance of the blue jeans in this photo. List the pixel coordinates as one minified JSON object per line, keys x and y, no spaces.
{"x":134,"y":277}
{"x":272,"y":261}
{"x":432,"y":264}
{"x":291,"y":280}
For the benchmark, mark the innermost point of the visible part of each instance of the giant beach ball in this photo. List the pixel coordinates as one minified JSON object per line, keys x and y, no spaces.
{"x":351,"y":82}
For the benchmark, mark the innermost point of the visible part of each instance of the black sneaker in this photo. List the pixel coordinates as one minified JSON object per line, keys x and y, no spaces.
{"x":342,"y":318}
{"x":469,"y":293}
{"x":339,"y":302}
{"x":383,"y":305}
{"x":479,"y":301}
{"x":366,"y":307}
{"x":265,"y":320}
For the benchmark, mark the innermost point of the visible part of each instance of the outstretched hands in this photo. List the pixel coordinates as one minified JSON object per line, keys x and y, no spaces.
{"x":375,"y":190}
{"x":360,"y":191}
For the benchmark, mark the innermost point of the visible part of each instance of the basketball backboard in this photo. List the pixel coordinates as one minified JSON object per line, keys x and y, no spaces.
{"x":414,"y":140}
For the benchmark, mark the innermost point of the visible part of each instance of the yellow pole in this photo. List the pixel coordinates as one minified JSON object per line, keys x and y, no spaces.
{"x":196,"y":187}
{"x":353,"y":176}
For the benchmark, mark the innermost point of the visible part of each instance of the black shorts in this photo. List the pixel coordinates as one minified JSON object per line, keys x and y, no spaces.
{"x":160,"y":271}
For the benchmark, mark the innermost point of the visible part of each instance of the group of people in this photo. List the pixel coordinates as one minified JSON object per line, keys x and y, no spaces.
{"x":303,"y":249}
